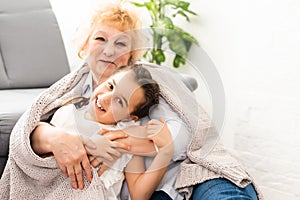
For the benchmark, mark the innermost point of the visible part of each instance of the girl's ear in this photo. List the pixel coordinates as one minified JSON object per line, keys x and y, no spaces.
{"x":134,"y":117}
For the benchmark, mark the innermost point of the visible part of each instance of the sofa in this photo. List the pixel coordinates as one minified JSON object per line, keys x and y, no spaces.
{"x":32,"y":57}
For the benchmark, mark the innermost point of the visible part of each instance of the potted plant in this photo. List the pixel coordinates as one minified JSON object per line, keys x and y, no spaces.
{"x":165,"y":34}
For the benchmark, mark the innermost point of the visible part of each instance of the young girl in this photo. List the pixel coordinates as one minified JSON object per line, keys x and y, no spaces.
{"x":117,"y":104}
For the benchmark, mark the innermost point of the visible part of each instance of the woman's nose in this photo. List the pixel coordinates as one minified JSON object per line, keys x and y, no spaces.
{"x":108,"y":49}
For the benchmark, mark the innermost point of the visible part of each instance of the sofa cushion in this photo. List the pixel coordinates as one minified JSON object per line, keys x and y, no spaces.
{"x":12,"y":104}
{"x":32,"y":52}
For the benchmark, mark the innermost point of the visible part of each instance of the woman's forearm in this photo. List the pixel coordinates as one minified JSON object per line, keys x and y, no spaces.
{"x":40,"y":139}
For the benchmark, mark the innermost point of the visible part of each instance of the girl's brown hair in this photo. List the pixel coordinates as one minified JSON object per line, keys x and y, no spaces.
{"x":149,"y":86}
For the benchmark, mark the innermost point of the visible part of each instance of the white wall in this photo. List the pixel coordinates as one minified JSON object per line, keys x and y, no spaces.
{"x":254,"y":46}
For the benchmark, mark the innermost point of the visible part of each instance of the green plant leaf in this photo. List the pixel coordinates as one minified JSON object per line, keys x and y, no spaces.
{"x":138,"y":4}
{"x":180,"y":12}
{"x":164,"y":31}
{"x":163,"y":26}
{"x":179,"y":5}
{"x":158,"y":56}
{"x":165,"y":22}
{"x":183,"y":5}
{"x":186,"y":35}
{"x":178,"y":60}
{"x":177,"y":44}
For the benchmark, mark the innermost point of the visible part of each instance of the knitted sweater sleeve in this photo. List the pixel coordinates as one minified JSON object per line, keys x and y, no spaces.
{"x":21,"y":153}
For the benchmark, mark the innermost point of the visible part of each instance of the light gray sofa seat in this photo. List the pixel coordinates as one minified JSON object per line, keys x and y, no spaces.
{"x":32,"y":57}
{"x":12,"y":105}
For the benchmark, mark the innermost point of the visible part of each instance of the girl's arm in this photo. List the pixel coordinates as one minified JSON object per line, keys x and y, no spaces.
{"x":141,"y":183}
{"x":137,"y":139}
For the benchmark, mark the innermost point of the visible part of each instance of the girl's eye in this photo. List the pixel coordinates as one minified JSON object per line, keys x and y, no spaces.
{"x":119,"y":101}
{"x":110,"y":86}
{"x":101,"y":39}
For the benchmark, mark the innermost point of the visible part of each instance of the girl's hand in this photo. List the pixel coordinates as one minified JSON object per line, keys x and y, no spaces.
{"x":98,"y":163}
{"x":104,"y":148}
{"x":159,"y":133}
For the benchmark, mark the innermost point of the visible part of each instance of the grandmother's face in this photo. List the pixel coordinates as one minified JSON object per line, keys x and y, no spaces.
{"x":108,"y":48}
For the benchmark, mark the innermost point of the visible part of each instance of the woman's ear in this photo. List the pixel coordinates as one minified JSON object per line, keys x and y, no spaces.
{"x":130,"y":60}
{"x":134,"y":117}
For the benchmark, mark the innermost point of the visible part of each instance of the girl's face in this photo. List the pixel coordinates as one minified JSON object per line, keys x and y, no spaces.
{"x":108,"y":48}
{"x":116,"y":98}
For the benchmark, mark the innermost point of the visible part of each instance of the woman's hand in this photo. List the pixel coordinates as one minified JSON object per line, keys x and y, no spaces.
{"x":68,"y":150}
{"x":72,"y":159}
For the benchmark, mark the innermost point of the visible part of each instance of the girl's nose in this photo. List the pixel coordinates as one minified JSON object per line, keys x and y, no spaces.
{"x":107,"y":98}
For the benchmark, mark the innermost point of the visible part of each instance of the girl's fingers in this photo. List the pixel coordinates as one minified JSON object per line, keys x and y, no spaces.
{"x":91,"y":158}
{"x":89,"y":144}
{"x":114,"y":152}
{"x":114,"y":135}
{"x":102,"y":169}
{"x":103,"y":131}
{"x":108,"y":157}
{"x":121,"y":145}
{"x":162,"y":120}
{"x":96,"y":162}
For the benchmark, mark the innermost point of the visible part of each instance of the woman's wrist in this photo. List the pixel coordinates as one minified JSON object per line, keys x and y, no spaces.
{"x":42,"y":138}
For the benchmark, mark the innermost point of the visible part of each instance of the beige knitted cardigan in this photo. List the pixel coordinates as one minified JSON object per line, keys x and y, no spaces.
{"x":28,"y":176}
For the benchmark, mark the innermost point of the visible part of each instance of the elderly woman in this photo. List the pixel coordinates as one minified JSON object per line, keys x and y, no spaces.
{"x":42,"y":156}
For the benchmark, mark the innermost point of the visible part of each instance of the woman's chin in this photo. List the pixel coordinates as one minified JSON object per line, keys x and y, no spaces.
{"x":108,"y":72}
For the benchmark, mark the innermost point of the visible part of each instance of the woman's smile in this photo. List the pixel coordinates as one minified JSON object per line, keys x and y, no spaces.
{"x":108,"y":62}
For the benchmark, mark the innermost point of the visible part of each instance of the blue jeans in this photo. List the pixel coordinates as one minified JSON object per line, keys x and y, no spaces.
{"x":160,"y":195}
{"x":215,"y":189}
{"x":220,"y":188}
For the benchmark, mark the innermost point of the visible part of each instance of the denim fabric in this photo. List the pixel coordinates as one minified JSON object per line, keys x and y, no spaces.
{"x":160,"y":195}
{"x":215,"y":189}
{"x":222,"y":189}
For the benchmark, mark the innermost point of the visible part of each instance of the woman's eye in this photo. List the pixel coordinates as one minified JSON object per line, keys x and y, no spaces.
{"x":121,"y":44}
{"x":101,"y":39}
